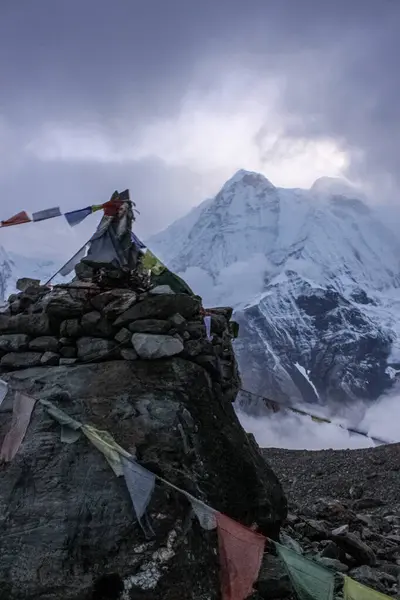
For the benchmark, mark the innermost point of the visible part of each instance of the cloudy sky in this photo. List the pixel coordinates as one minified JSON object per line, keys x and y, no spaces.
{"x":170,"y":97}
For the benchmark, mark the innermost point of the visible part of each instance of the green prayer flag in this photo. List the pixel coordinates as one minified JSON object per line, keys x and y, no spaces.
{"x":234,"y":329}
{"x":310,"y":580}
{"x":356,"y":591}
{"x":151,"y":263}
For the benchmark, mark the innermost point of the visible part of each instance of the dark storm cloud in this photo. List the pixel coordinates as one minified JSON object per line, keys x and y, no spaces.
{"x":126,"y":63}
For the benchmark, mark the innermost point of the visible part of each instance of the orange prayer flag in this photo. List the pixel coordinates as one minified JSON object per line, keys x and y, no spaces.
{"x":18,"y":219}
{"x":240,"y":554}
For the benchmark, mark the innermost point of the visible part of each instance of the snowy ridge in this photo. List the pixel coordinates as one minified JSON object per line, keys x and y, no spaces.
{"x":314,"y":277}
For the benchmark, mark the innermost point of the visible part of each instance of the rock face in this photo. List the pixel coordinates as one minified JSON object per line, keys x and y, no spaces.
{"x":66,"y":519}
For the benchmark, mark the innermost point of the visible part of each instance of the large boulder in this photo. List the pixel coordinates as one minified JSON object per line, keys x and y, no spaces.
{"x":149,"y":346}
{"x":91,"y":348}
{"x":62,"y":305}
{"x":67,"y":526}
{"x":14,"y":342}
{"x":35,"y":325}
{"x":21,"y":360}
{"x":161,"y":307}
{"x":45,"y":343}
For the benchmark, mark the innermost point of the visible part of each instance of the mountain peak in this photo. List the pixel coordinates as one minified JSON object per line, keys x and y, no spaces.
{"x":248,"y":178}
{"x":334,"y":186}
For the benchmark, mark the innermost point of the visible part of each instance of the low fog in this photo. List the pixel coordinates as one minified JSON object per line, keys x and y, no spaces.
{"x":289,"y":430}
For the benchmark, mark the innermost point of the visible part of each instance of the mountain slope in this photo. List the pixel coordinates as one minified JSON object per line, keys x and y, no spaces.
{"x":13,"y":266}
{"x":315,"y":280}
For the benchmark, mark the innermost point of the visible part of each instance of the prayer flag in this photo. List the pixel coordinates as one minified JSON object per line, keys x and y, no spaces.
{"x":124,"y":196}
{"x":206,"y":515}
{"x":240,"y":554}
{"x":77,"y":216}
{"x":69,"y":435}
{"x":353,"y":590}
{"x":18,"y":219}
{"x":59,"y":415}
{"x":137,"y":242}
{"x":309,"y":579}
{"x":71,"y":264}
{"x":112,"y":207}
{"x":49,"y":213}
{"x":140,"y":483}
{"x":151,"y":263}
{"x":271,"y":405}
{"x":3,"y":390}
{"x":319,"y":419}
{"x":96,"y":207}
{"x":105,"y":442}
{"x":22,"y":411}
{"x":234,"y":329}
{"x":207,"y":323}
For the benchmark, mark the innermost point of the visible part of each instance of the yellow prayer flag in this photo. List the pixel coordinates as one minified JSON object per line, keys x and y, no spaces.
{"x":356,"y":591}
{"x":105,"y":442}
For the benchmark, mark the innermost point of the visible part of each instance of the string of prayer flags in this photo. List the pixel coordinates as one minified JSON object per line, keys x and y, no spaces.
{"x":309,"y":579}
{"x":77,"y":216}
{"x":18,"y":219}
{"x":104,"y":441}
{"x":240,"y":548}
{"x":207,"y":323}
{"x":48,"y":213}
{"x":22,"y":410}
{"x":352,"y":590}
{"x":140,"y":483}
{"x":3,"y":390}
{"x":240,"y":554}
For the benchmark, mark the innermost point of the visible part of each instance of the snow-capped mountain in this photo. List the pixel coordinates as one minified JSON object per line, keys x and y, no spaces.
{"x":13,"y":266}
{"x":314,"y":277}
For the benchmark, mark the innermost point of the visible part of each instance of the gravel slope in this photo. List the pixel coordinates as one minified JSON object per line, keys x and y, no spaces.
{"x":307,"y":475}
{"x":344,"y":513}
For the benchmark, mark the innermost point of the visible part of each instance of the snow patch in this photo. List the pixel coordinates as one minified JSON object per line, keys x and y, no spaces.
{"x":306,"y":376}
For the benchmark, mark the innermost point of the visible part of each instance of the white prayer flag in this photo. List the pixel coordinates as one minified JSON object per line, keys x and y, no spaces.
{"x":48,"y":213}
{"x":140,"y":483}
{"x":207,"y":323}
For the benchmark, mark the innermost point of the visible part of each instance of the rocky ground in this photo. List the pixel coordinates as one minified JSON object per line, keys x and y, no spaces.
{"x":344,"y":511}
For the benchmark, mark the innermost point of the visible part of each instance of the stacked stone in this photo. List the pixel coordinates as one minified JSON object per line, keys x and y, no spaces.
{"x":80,"y":322}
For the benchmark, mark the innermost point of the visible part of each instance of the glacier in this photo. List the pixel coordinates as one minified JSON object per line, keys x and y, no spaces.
{"x":313,"y":276}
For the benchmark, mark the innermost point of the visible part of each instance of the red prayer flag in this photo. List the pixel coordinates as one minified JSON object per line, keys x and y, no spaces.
{"x":22,"y":411}
{"x":240,"y":555}
{"x":18,"y":219}
{"x":112,"y":207}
